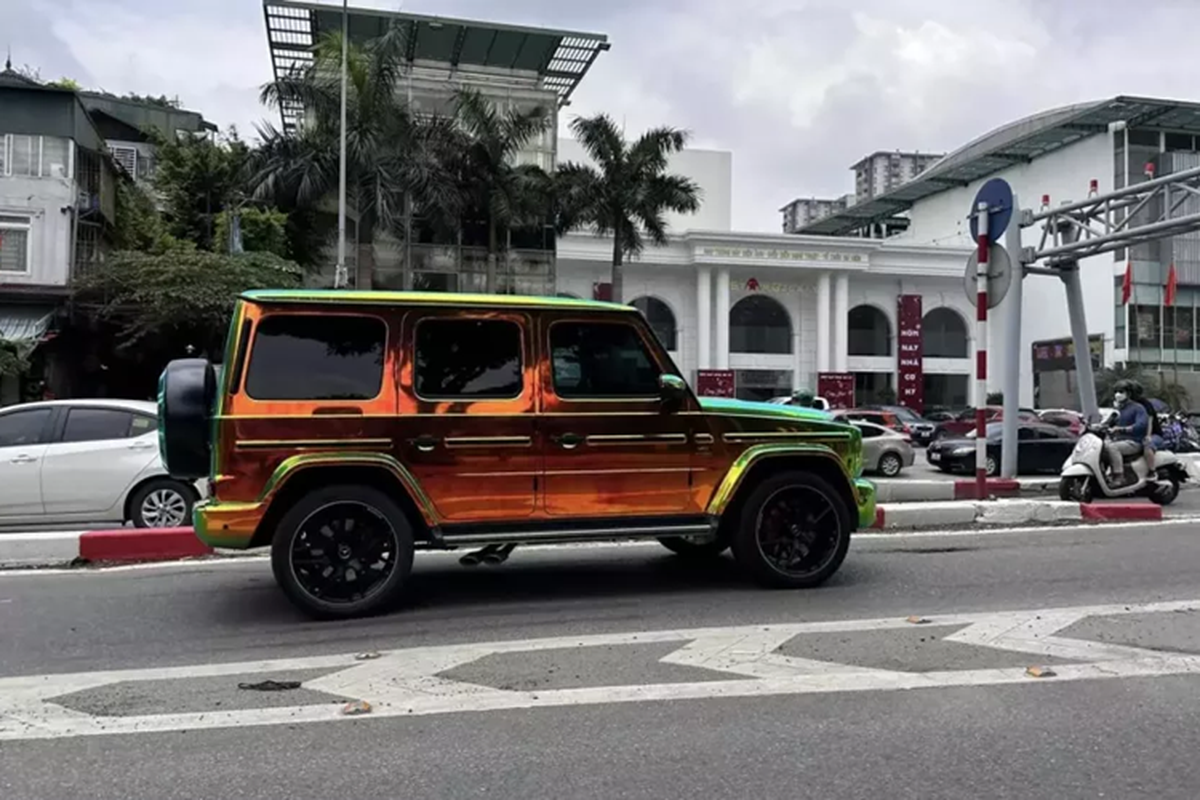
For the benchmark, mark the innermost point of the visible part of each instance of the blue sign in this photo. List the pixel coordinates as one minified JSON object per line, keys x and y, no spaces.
{"x":999,"y":198}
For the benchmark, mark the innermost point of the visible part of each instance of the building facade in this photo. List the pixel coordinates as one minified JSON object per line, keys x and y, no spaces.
{"x":802,"y":212}
{"x":883,"y":171}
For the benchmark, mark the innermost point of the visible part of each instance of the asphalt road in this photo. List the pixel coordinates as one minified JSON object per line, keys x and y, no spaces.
{"x":858,"y":700}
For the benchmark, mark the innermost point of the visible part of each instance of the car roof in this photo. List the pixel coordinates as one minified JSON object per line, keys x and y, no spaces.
{"x":441,"y":299}
{"x":144,"y":406}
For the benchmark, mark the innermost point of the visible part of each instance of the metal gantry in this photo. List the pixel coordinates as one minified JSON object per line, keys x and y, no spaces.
{"x":1145,"y":212}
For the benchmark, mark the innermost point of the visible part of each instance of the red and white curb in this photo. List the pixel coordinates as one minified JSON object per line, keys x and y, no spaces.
{"x":134,"y":545}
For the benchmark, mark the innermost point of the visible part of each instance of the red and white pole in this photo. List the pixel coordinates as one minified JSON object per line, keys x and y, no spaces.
{"x":981,"y":315}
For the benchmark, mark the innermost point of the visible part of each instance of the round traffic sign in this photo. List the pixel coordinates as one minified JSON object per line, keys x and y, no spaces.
{"x":999,"y":198}
{"x":999,"y":272}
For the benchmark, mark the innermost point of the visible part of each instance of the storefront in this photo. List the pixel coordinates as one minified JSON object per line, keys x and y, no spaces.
{"x":775,"y":314}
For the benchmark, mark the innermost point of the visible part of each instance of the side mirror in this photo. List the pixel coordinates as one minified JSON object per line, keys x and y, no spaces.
{"x":672,"y":389}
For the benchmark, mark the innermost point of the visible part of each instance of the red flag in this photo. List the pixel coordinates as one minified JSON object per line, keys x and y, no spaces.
{"x":1172,"y":287}
{"x":1127,"y":284}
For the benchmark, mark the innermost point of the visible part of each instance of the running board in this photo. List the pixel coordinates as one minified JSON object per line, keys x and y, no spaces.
{"x":569,"y":535}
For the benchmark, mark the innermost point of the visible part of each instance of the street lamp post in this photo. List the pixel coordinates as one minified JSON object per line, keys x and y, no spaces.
{"x":340,"y":276}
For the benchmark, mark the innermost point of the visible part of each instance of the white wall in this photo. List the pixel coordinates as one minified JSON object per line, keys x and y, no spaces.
{"x":41,"y":199}
{"x":712,"y":170}
{"x":1064,"y":175}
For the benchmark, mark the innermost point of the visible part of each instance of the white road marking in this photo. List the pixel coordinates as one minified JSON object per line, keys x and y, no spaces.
{"x":242,"y":558}
{"x":407,"y":682}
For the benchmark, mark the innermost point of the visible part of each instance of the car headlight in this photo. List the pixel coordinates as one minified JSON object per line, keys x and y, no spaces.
{"x":962,"y":451}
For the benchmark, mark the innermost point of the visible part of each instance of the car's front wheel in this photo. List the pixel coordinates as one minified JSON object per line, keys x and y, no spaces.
{"x":794,"y":531}
{"x":343,"y":551}
{"x":162,"y":503}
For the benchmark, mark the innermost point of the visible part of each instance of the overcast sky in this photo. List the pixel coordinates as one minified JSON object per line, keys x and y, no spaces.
{"x":798,"y":90}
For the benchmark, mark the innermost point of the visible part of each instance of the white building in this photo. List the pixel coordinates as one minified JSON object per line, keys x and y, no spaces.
{"x":803,"y":211}
{"x":1054,"y":156}
{"x":883,"y":171}
{"x":779,"y":309}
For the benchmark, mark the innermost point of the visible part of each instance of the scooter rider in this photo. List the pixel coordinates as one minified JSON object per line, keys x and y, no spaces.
{"x":1129,"y":434}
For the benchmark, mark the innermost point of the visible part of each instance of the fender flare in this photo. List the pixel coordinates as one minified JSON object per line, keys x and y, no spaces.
{"x":752,"y":456}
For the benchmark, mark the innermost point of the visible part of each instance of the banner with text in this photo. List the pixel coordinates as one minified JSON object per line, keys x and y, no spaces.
{"x":715,"y":383}
{"x":911,"y":353}
{"x":837,"y":388}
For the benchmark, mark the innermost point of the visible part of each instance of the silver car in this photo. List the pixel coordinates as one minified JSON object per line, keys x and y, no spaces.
{"x":885,"y":451}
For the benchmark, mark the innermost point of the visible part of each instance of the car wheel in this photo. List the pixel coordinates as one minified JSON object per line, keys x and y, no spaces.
{"x":699,"y":551}
{"x":890,"y":465}
{"x":992,"y":467}
{"x":342,"y":551}
{"x":162,"y":503}
{"x":794,"y":531}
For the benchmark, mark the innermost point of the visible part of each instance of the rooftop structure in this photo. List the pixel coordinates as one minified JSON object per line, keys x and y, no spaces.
{"x":1018,"y":142}
{"x":557,"y":59}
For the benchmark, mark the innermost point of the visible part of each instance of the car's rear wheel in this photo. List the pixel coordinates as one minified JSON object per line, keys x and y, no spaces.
{"x":162,"y":503}
{"x":343,"y":551}
{"x":187,"y":395}
{"x":691,"y":550}
{"x":794,"y":531}
{"x":890,"y":465}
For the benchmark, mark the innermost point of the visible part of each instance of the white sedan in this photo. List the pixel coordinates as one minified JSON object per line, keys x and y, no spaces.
{"x":88,"y":461}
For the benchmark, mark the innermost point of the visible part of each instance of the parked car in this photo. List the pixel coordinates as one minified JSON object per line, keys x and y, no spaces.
{"x":1063,"y":418}
{"x":884,"y":419}
{"x":942,"y":415}
{"x":1040,"y":448}
{"x":885,"y":451}
{"x":922,"y":429}
{"x":819,"y":403}
{"x":92,"y":461}
{"x":353,"y":428}
{"x":965,"y":421}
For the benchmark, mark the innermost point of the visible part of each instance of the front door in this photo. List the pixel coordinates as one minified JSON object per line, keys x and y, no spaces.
{"x":611,"y":448}
{"x":466,"y":427}
{"x":23,"y":436}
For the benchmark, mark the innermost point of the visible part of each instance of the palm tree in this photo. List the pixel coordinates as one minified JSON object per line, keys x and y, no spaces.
{"x":628,"y":192}
{"x":503,"y":193}
{"x":395,"y":160}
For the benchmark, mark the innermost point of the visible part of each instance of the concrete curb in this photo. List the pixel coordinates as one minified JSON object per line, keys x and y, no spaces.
{"x":123,"y":545}
{"x":908,"y":516}
{"x":905,"y":490}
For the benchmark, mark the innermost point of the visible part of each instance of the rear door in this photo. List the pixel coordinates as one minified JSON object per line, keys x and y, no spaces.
{"x":95,"y":456}
{"x":23,"y":436}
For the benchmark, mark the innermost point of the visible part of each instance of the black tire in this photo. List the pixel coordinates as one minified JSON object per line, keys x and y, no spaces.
{"x":166,"y":495}
{"x":187,"y":394}
{"x":810,"y":492}
{"x":1075,"y":489}
{"x":890,"y":465}
{"x":361,"y":503}
{"x":1166,"y":496}
{"x":992,"y":467}
{"x":694,"y":551}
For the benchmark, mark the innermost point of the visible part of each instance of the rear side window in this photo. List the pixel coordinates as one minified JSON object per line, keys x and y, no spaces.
{"x":468,"y":358}
{"x":317,"y":357}
{"x":96,"y":424}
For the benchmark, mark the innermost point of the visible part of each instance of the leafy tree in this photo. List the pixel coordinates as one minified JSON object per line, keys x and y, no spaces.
{"x":197,"y":178}
{"x":886,"y":396}
{"x":138,"y":224}
{"x":1154,"y":385}
{"x":264,"y":230}
{"x":170,"y":300}
{"x":502,"y":193}
{"x":14,"y":359}
{"x":628,"y":192}
{"x":995,"y":398}
{"x":65,"y":83}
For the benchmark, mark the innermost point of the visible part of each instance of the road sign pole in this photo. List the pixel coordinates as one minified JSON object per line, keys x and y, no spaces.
{"x":1014,"y":354}
{"x":981,"y":319}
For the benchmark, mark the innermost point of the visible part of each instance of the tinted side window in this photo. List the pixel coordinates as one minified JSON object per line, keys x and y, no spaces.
{"x":468,"y":358}
{"x":1026,"y":433}
{"x":870,"y":432}
{"x":316,"y":357}
{"x":96,"y":424}
{"x":19,"y":428}
{"x":601,"y":360}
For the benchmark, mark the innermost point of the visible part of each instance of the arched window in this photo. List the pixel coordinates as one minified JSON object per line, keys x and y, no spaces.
{"x":759,"y":324}
{"x":870,"y":333}
{"x":660,"y":317}
{"x":943,"y":334}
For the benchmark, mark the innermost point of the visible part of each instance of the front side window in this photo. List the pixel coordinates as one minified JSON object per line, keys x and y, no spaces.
{"x":96,"y":424}
{"x":21,"y":428}
{"x":317,"y":357}
{"x":468,"y":358}
{"x":600,"y":360}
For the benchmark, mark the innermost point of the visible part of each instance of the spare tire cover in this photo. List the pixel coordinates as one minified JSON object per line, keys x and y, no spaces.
{"x":187,"y":392}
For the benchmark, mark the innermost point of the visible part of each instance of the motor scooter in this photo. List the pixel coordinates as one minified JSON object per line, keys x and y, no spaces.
{"x":1088,"y":473}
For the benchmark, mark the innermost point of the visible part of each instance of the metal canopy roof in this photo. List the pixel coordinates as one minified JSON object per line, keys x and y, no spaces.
{"x":1018,"y":142}
{"x":559,"y":58}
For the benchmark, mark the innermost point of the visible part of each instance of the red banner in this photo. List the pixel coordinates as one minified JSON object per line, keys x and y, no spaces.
{"x":911,"y":355}
{"x":715,"y":383}
{"x":602,"y":291}
{"x":837,"y":388}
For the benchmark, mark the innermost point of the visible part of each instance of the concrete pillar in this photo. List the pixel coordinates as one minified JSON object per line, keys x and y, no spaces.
{"x":841,"y":322}
{"x":824,"y":330}
{"x":722,"y":312}
{"x":704,"y":333}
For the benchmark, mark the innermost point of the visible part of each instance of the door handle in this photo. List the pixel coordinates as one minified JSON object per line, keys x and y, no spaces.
{"x":569,"y":441}
{"x":424,"y":443}
{"x":23,"y":459}
{"x":142,"y":446}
